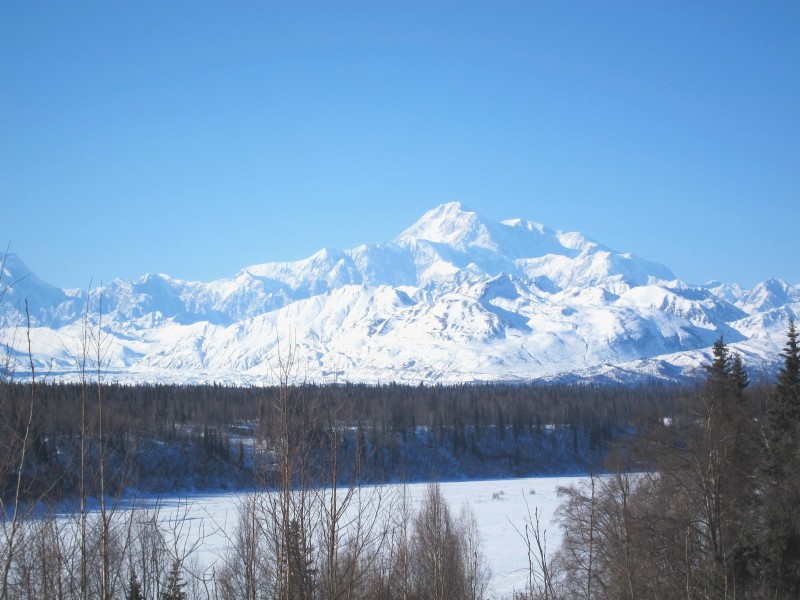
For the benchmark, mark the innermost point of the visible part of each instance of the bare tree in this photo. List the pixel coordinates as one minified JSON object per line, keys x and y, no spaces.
{"x":247,"y":568}
{"x":540,"y":582}
{"x":439,"y":570}
{"x":396,"y":576}
{"x":577,"y":513}
{"x":476,"y":570}
{"x":292,"y":506}
{"x":19,"y":433}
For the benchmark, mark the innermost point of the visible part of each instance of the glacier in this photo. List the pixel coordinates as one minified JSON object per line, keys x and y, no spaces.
{"x":454,"y":298}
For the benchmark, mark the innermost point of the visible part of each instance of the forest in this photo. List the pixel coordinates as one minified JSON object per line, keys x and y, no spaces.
{"x":167,"y":437}
{"x":692,"y":493}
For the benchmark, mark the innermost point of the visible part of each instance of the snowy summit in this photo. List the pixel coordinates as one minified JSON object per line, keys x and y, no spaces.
{"x":455,"y":297}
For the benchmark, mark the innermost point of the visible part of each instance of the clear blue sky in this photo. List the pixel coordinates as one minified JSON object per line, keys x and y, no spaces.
{"x":196,"y":138}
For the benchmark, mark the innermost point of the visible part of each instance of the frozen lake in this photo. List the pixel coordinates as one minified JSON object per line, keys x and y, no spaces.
{"x":498,"y":505}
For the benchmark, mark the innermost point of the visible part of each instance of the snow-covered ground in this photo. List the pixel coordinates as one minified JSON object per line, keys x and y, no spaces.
{"x":499,"y":507}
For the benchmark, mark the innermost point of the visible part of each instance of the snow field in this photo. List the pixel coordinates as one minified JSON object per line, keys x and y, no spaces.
{"x":500,"y":507}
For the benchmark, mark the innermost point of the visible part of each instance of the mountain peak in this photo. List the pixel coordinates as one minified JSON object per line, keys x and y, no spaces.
{"x":452,"y":224}
{"x":13,"y":268}
{"x":17,"y":275}
{"x":457,"y":296}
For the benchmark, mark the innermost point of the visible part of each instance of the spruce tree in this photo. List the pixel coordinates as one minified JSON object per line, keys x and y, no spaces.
{"x":789,"y":377}
{"x":134,"y":588}
{"x":173,"y":587}
{"x":717,"y":396}
{"x":784,"y":407}
{"x":781,"y":477}
{"x":726,"y":381}
{"x":725,"y":454}
{"x":719,"y":370}
{"x":738,"y":375}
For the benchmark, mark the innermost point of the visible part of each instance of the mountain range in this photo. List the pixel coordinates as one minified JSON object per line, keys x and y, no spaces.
{"x":454,"y":298}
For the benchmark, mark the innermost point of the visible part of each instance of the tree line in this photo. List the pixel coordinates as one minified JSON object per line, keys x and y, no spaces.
{"x":162,"y":437}
{"x":705,"y":505}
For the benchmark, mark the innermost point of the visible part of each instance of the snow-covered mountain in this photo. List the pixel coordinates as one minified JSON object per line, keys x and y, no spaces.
{"x":454,"y":298}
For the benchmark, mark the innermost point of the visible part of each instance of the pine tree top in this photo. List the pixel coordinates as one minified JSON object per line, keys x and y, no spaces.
{"x":134,"y":588}
{"x":174,"y":584}
{"x":784,"y":409}
{"x":789,"y":374}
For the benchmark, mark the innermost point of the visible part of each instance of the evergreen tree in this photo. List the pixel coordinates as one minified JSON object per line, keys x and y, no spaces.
{"x":301,"y":563}
{"x":781,"y":545}
{"x":725,"y":383}
{"x":725,"y":455}
{"x":173,"y":587}
{"x":718,"y":381}
{"x":134,"y":588}
{"x":785,"y":407}
{"x":738,"y":375}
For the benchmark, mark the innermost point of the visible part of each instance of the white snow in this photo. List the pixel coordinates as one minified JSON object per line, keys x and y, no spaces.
{"x":501,"y":508}
{"x":455,"y":297}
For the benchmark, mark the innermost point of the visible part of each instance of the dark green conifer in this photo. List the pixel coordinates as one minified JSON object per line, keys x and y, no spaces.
{"x":134,"y":588}
{"x":781,"y":478}
{"x":173,"y":587}
{"x":726,"y":453}
{"x":738,"y":375}
{"x":718,"y":380}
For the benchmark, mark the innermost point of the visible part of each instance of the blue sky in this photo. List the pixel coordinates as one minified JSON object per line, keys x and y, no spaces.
{"x":196,"y":138}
